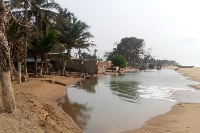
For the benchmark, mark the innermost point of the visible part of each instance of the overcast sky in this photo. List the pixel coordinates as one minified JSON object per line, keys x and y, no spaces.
{"x":170,"y":27}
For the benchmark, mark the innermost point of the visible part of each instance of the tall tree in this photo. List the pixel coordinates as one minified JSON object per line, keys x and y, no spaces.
{"x":20,"y":12}
{"x":131,"y":48}
{"x":73,"y":34}
{"x":43,"y":44}
{"x":26,"y":36}
{"x":118,"y":60}
{"x":15,"y":35}
{"x":36,"y":13}
{"x":8,"y":98}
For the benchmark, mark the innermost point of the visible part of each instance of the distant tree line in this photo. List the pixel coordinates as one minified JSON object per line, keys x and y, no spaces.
{"x":133,"y":50}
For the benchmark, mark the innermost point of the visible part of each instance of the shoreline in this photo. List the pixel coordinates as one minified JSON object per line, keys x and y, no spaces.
{"x":38,"y":99}
{"x":37,"y":106}
{"x":182,"y":118}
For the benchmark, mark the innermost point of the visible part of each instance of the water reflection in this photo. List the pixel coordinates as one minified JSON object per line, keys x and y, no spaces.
{"x":126,"y":90}
{"x":88,"y":85}
{"x":107,"y":95}
{"x":80,"y":113}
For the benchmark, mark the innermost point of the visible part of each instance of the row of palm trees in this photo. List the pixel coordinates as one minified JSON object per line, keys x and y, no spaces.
{"x":42,"y":27}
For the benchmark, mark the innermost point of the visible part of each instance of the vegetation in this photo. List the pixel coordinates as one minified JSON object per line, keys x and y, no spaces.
{"x":149,"y":59}
{"x":118,"y":60}
{"x":32,"y":20}
{"x":73,"y":34}
{"x":43,"y":44}
{"x":84,"y":55}
{"x":35,"y":28}
{"x":133,"y":50}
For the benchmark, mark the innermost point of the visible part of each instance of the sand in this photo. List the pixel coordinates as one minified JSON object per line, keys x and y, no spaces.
{"x":182,"y":118}
{"x":35,"y":99}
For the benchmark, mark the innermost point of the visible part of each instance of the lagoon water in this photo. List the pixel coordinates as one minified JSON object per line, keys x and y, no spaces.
{"x":116,"y":103}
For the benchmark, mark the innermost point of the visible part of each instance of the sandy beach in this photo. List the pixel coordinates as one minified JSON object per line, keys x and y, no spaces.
{"x":36,"y":99}
{"x":182,"y":118}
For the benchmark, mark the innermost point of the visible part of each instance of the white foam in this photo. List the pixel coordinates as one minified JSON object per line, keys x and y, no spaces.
{"x":157,"y":92}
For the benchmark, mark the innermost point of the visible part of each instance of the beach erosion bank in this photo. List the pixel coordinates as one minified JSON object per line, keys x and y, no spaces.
{"x":37,"y":107}
{"x":182,"y":118}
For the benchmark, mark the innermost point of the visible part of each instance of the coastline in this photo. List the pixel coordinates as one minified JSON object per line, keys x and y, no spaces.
{"x":39,"y":97}
{"x":182,"y":118}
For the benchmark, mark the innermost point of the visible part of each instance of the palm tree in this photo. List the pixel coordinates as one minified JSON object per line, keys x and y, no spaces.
{"x":40,"y":11}
{"x":43,"y":44}
{"x":34,"y":13}
{"x":73,"y":34}
{"x":15,"y":35}
{"x":8,"y":98}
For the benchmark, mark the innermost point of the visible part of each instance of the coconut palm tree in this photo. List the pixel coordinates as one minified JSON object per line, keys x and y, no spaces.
{"x":34,"y":13}
{"x":43,"y":44}
{"x":73,"y":34}
{"x":15,"y":35}
{"x":40,"y":12}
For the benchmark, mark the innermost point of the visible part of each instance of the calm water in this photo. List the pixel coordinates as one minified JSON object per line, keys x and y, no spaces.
{"x":112,"y":104}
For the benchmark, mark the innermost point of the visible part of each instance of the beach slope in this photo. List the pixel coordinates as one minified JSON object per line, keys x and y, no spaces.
{"x":37,"y":107}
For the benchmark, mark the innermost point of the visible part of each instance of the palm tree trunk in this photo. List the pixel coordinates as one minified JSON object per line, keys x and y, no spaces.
{"x":65,"y":62}
{"x":14,"y":71}
{"x":8,"y":98}
{"x":46,"y":67}
{"x":63,"y":68}
{"x":19,"y":74}
{"x":41,"y":67}
{"x":40,"y":72}
{"x":69,"y":52}
{"x":35,"y":65}
{"x":26,"y":38}
{"x":119,"y":69}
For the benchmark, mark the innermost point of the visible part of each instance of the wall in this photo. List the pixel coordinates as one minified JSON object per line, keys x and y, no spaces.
{"x":103,"y":66}
{"x":75,"y":65}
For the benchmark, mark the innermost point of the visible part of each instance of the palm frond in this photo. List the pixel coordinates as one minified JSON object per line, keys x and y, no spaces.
{"x":51,"y":5}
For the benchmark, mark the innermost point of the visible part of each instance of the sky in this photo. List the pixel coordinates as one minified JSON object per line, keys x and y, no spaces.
{"x":171,"y":28}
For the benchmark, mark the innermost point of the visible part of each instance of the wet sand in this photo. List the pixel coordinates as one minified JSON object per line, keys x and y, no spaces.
{"x":182,"y":118}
